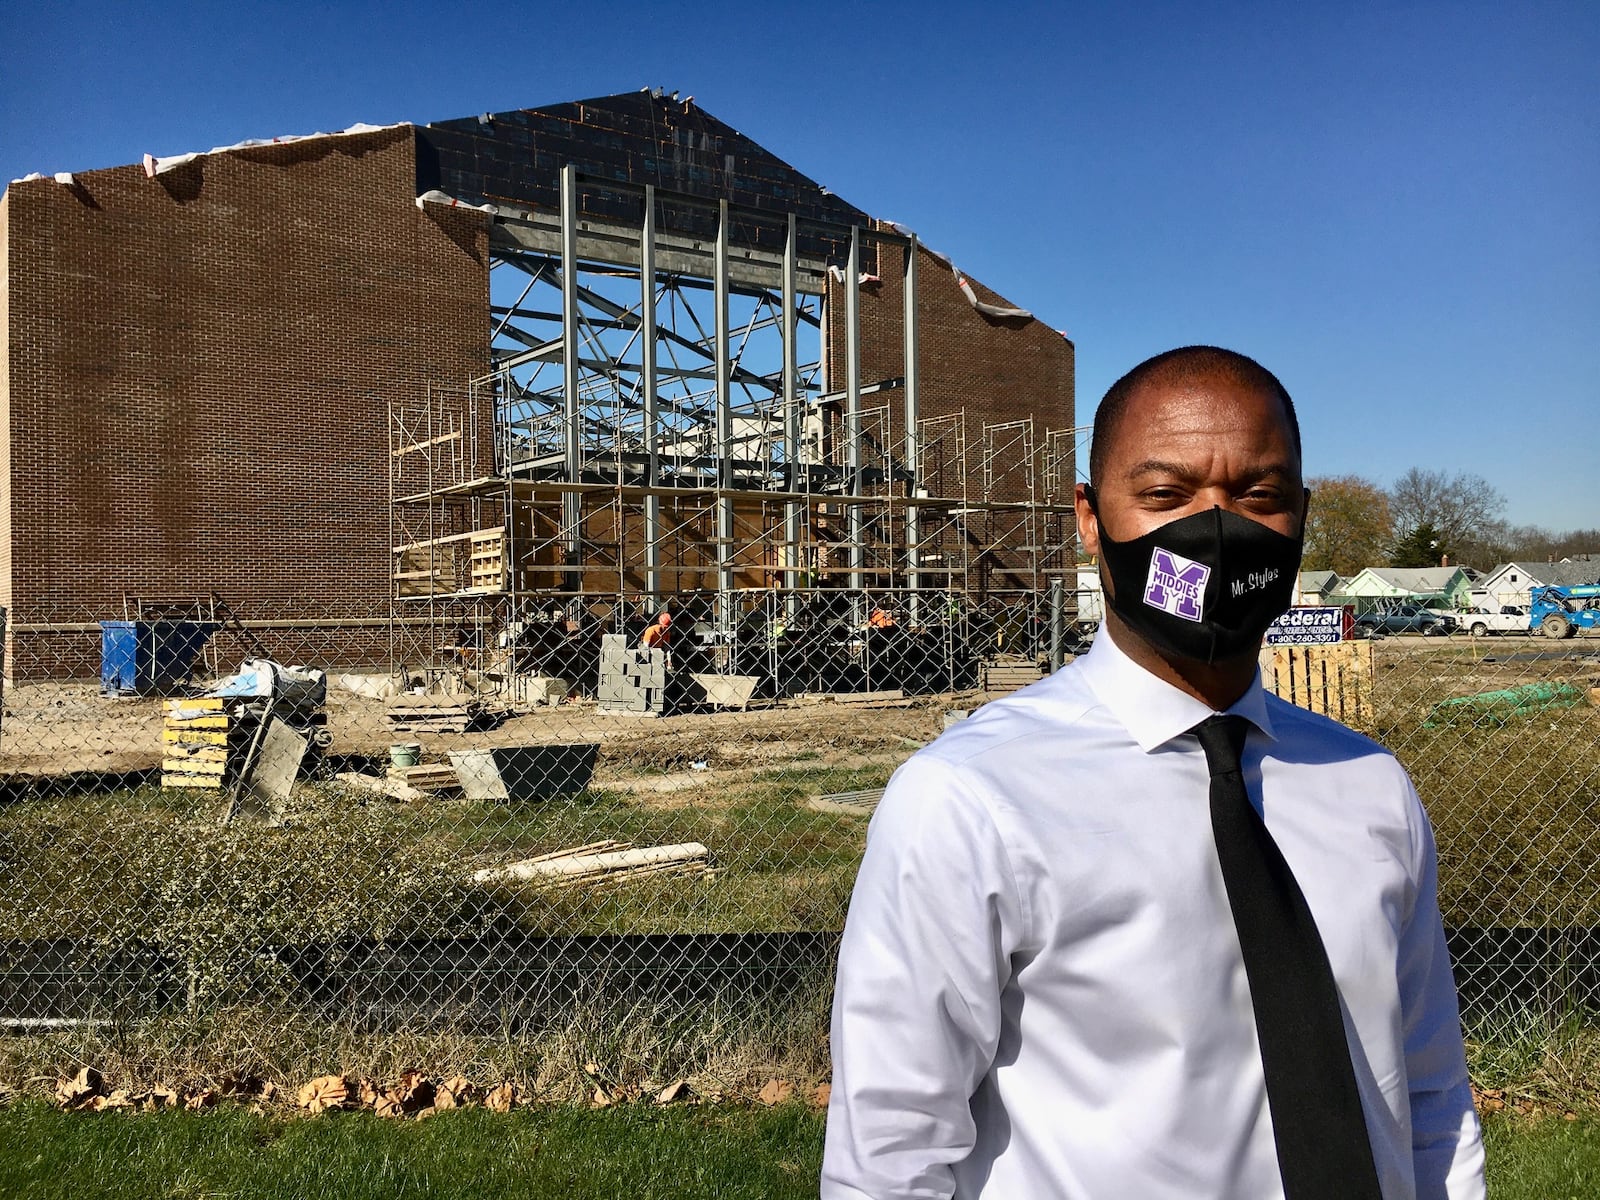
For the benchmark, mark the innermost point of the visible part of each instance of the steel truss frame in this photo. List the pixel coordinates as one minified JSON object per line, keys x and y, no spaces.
{"x":657,"y":420}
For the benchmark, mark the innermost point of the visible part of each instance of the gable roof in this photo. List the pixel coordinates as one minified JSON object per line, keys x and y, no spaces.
{"x":1318,"y":581}
{"x":633,"y":138}
{"x":1419,"y":581}
{"x":1561,"y":574}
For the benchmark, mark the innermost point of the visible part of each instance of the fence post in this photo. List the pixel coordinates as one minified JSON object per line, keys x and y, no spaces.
{"x":1057,"y":609}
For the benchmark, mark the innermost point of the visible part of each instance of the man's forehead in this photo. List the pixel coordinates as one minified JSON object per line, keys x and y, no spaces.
{"x":1202,"y":402}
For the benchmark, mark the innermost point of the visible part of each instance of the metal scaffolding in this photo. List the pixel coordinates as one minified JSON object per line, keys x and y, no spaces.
{"x":658,"y":423}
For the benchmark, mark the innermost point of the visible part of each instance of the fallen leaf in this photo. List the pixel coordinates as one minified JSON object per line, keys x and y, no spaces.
{"x":454,"y":1092}
{"x":121,"y":1098}
{"x":601,"y":1098}
{"x":821,"y":1094}
{"x":501,"y":1099}
{"x":325,"y":1092}
{"x":80,"y":1089}
{"x":776,"y":1091}
{"x":204,"y":1098}
{"x":414,"y":1092}
{"x":675,"y":1093}
{"x":158,"y":1098}
{"x":388,"y":1106}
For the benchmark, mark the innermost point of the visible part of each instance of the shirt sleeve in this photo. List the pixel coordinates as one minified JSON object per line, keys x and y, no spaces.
{"x":1446,"y":1141}
{"x":917,"y":1005}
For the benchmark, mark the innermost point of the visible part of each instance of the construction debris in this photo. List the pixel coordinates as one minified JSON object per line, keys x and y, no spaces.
{"x":195,"y":743}
{"x":854,"y":804}
{"x":434,"y":778}
{"x":505,"y":774}
{"x":387,"y":786}
{"x":601,"y":862}
{"x":433,"y":713}
{"x":248,"y":735}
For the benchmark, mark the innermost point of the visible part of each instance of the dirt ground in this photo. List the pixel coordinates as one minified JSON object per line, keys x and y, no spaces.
{"x":62,"y":729}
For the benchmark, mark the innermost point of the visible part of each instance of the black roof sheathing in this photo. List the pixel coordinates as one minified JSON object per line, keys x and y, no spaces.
{"x":634,"y":138}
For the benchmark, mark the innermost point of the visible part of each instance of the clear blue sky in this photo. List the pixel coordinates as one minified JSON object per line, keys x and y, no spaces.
{"x":1394,"y":206}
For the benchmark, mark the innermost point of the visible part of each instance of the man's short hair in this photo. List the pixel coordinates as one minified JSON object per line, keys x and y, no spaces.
{"x":1181,"y":365}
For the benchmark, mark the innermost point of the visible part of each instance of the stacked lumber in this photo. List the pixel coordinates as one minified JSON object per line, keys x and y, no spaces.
{"x":433,"y":714}
{"x":601,"y":862}
{"x":1008,"y":676}
{"x":427,"y":777}
{"x":195,"y":743}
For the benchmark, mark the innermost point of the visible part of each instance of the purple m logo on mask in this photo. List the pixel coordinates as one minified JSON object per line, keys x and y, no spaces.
{"x":1176,"y":585}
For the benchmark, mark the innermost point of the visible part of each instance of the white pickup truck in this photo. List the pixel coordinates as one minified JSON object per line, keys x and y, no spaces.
{"x":1511,"y":618}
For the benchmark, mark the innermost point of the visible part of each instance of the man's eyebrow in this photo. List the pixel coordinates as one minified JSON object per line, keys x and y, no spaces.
{"x":1156,"y":466}
{"x":1188,"y":474}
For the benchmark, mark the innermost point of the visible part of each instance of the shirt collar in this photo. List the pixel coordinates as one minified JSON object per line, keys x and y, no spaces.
{"x":1152,"y":710}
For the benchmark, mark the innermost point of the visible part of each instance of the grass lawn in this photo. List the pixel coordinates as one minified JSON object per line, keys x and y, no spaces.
{"x":567,"y":1152}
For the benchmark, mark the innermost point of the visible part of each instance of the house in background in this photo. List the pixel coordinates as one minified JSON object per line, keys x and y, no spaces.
{"x":1428,"y":587}
{"x":1314,"y":587}
{"x":1512,"y":583}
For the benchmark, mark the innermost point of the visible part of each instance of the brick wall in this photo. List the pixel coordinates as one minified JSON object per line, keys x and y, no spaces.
{"x":5,"y":400}
{"x":199,"y":370}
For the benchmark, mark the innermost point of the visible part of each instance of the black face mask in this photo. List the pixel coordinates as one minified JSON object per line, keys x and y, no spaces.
{"x":1205,"y":586}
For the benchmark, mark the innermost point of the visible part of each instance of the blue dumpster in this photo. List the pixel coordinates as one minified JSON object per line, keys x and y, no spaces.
{"x":146,"y":657}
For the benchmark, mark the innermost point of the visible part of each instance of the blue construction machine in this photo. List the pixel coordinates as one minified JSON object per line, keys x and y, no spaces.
{"x":1559,"y":612}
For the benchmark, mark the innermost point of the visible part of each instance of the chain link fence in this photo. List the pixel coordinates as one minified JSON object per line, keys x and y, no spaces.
{"x":451,"y":834}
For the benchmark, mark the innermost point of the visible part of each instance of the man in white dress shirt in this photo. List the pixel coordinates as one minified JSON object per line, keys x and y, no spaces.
{"x":1041,"y":991}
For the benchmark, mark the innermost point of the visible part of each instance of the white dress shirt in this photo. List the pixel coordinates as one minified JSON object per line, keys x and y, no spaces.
{"x":1040,"y":988}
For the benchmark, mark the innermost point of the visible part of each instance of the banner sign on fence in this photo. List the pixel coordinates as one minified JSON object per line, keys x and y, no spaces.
{"x":1312,"y":627}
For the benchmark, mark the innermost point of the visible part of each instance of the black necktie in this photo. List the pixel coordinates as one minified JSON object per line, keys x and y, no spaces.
{"x":1324,"y":1152}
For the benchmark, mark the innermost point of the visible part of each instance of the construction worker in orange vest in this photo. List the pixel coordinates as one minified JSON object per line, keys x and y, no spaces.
{"x":657,"y":635}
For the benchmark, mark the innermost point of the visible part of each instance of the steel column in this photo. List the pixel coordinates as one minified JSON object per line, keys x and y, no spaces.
{"x":724,"y":446}
{"x":852,"y":404}
{"x":647,"y":380}
{"x":912,"y":468}
{"x":791,"y":414}
{"x":572,"y":401}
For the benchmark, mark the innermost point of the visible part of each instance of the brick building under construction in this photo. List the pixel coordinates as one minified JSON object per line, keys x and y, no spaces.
{"x":598,"y":349}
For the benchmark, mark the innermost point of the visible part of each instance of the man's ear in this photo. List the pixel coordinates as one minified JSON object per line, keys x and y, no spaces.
{"x":1088,"y":522}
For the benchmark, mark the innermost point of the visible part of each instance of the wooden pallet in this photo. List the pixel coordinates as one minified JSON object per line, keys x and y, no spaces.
{"x":428,"y":777}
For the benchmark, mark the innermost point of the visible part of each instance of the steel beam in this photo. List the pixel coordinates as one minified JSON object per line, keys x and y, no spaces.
{"x":677,"y":254}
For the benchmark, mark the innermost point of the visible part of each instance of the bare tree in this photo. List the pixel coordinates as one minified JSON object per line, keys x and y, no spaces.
{"x":1463,"y":508}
